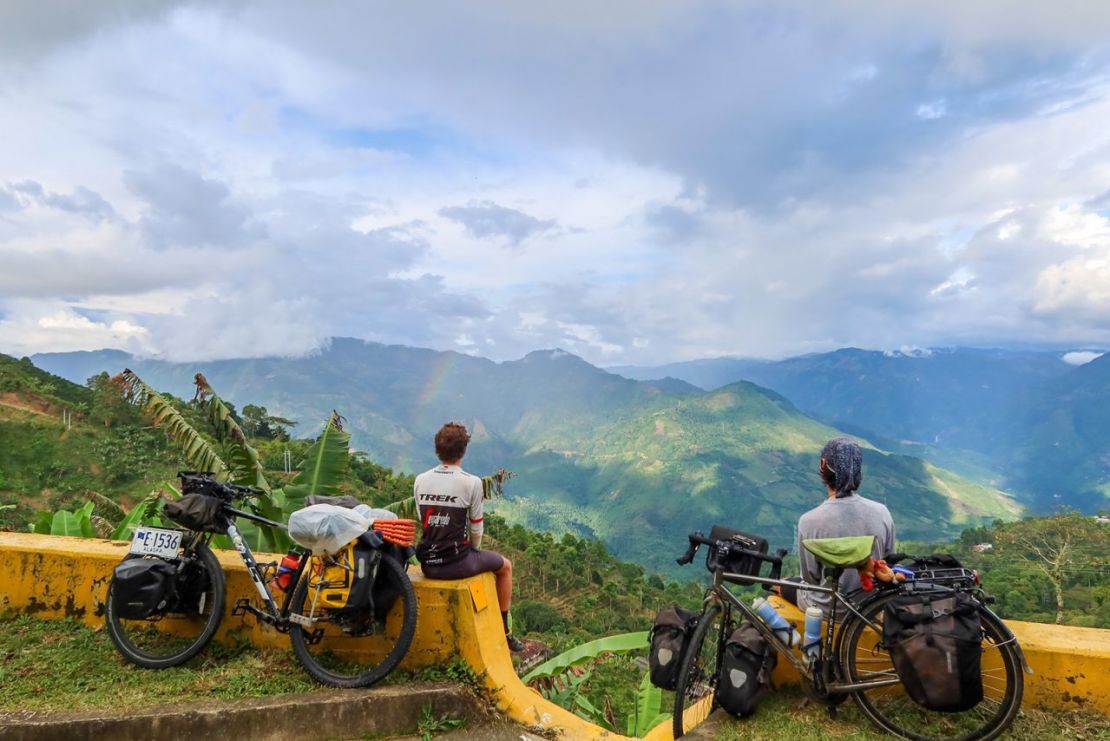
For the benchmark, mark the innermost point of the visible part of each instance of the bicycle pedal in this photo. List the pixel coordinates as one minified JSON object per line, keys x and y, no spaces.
{"x":242,"y":607}
{"x":314,"y":637}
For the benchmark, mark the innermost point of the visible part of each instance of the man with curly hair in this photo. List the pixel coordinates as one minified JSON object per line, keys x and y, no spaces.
{"x":449,"y":504}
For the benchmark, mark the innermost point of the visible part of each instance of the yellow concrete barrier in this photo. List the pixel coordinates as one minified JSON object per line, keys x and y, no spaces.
{"x":56,"y":577}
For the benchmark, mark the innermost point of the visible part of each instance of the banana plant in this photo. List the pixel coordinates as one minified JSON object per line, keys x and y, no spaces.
{"x":319,"y":473}
{"x":562,"y":678}
{"x":75,"y":524}
{"x":194,"y":447}
{"x":646,"y":715}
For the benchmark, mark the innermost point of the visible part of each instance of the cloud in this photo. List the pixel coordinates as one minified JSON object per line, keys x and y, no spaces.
{"x":1081,"y":357}
{"x":486,"y":219}
{"x":185,"y":209}
{"x":753,"y":179}
{"x":82,"y":201}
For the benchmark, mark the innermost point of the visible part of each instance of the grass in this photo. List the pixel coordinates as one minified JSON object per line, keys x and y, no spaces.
{"x":783,"y":715}
{"x":64,"y":665}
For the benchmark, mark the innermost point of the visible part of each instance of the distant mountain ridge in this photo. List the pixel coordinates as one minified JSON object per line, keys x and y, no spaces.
{"x":635,"y":463}
{"x":1029,"y":420}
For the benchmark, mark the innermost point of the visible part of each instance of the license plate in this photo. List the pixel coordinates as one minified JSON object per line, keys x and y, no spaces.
{"x":151,"y":541}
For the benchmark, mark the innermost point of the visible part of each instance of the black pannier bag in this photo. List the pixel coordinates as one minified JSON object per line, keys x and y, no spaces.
{"x":744,"y":676}
{"x":935,"y":641}
{"x":142,"y":587}
{"x":668,"y":638}
{"x":198,"y":512}
{"x":737,"y":564}
{"x":372,"y":595}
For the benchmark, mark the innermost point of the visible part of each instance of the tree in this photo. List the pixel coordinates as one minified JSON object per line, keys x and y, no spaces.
{"x":1059,"y":547}
{"x":108,"y":406}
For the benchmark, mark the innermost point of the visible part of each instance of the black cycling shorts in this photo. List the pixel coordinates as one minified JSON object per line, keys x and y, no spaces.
{"x":472,"y":564}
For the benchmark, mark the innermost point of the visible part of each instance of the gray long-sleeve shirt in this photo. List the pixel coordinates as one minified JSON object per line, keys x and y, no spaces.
{"x":840,"y":518}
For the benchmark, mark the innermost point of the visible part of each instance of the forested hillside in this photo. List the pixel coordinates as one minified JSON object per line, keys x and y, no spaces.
{"x":597,"y":455}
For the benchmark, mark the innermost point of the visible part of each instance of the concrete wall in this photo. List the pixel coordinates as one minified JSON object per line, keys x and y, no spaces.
{"x":56,"y":577}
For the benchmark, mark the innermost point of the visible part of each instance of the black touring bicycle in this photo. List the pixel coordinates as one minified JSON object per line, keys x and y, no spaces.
{"x":923,"y":659}
{"x":350,"y":616}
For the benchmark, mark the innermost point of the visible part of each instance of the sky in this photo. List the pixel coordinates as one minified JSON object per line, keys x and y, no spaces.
{"x":632,"y":181}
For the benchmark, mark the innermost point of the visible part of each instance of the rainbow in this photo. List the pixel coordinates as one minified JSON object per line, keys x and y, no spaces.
{"x":434,"y":385}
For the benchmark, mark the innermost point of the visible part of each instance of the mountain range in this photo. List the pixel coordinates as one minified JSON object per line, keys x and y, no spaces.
{"x":1026,"y":421}
{"x":635,"y":463}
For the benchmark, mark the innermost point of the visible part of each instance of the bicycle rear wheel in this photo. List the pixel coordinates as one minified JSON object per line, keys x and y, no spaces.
{"x":353,"y":651}
{"x":863,"y":657}
{"x":173,"y":637}
{"x":695,"y":695}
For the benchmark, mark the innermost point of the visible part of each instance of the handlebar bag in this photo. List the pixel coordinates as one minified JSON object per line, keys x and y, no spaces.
{"x":667,"y":639}
{"x":738,"y":563}
{"x":198,"y":512}
{"x":142,"y":587}
{"x":935,"y":641}
{"x":744,"y":676}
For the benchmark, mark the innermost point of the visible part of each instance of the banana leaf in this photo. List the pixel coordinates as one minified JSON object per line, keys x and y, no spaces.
{"x":646,"y":713}
{"x":42,"y":523}
{"x":587,"y":651}
{"x":323,"y":467}
{"x":146,"y":512}
{"x":245,"y":468}
{"x":75,"y":524}
{"x":195,"y":448}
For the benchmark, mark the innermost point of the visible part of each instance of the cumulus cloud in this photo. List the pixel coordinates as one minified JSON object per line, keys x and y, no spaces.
{"x":753,"y":179}
{"x":486,"y":219}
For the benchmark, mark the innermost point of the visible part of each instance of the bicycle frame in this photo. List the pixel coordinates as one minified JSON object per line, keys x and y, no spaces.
{"x":830,"y":642}
{"x":272,"y":615}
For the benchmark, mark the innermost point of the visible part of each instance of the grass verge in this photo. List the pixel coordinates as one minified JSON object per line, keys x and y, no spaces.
{"x":784,"y":715}
{"x":63,"y":665}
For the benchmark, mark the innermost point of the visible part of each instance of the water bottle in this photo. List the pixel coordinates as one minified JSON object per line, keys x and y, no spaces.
{"x":782,"y":627}
{"x":811,"y":643}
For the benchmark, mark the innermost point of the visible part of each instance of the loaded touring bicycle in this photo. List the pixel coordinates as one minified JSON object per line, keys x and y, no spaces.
{"x":350,"y":612}
{"x":880,"y":648}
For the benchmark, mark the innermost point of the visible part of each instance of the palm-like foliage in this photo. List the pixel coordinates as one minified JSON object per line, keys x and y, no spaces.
{"x":561,"y":679}
{"x":243,"y":463}
{"x":162,"y":413}
{"x":320,"y":472}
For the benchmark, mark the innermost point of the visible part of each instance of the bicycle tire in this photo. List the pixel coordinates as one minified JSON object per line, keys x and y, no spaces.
{"x":145,"y":644}
{"x":891,"y":709}
{"x":341,"y":671}
{"x":695,"y":693}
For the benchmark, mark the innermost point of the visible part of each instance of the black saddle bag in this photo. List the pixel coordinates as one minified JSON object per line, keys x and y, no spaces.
{"x":935,"y":641}
{"x":668,"y":638}
{"x":744,"y":676}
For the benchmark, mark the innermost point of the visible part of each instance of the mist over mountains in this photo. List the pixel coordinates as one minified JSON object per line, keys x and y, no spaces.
{"x":635,"y":463}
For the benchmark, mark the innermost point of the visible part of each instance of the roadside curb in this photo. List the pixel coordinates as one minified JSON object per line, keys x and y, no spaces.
{"x":335,"y":714}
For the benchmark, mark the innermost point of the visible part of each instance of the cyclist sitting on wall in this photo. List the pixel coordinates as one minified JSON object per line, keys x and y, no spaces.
{"x":844,"y":513}
{"x":449,"y":505}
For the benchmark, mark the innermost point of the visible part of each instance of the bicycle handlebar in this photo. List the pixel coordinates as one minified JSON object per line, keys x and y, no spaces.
{"x":726,"y":549}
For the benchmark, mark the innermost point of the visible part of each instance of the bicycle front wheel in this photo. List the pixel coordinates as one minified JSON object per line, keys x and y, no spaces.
{"x":345,"y":650}
{"x":173,"y":637}
{"x":695,"y":695}
{"x":864,"y":658}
